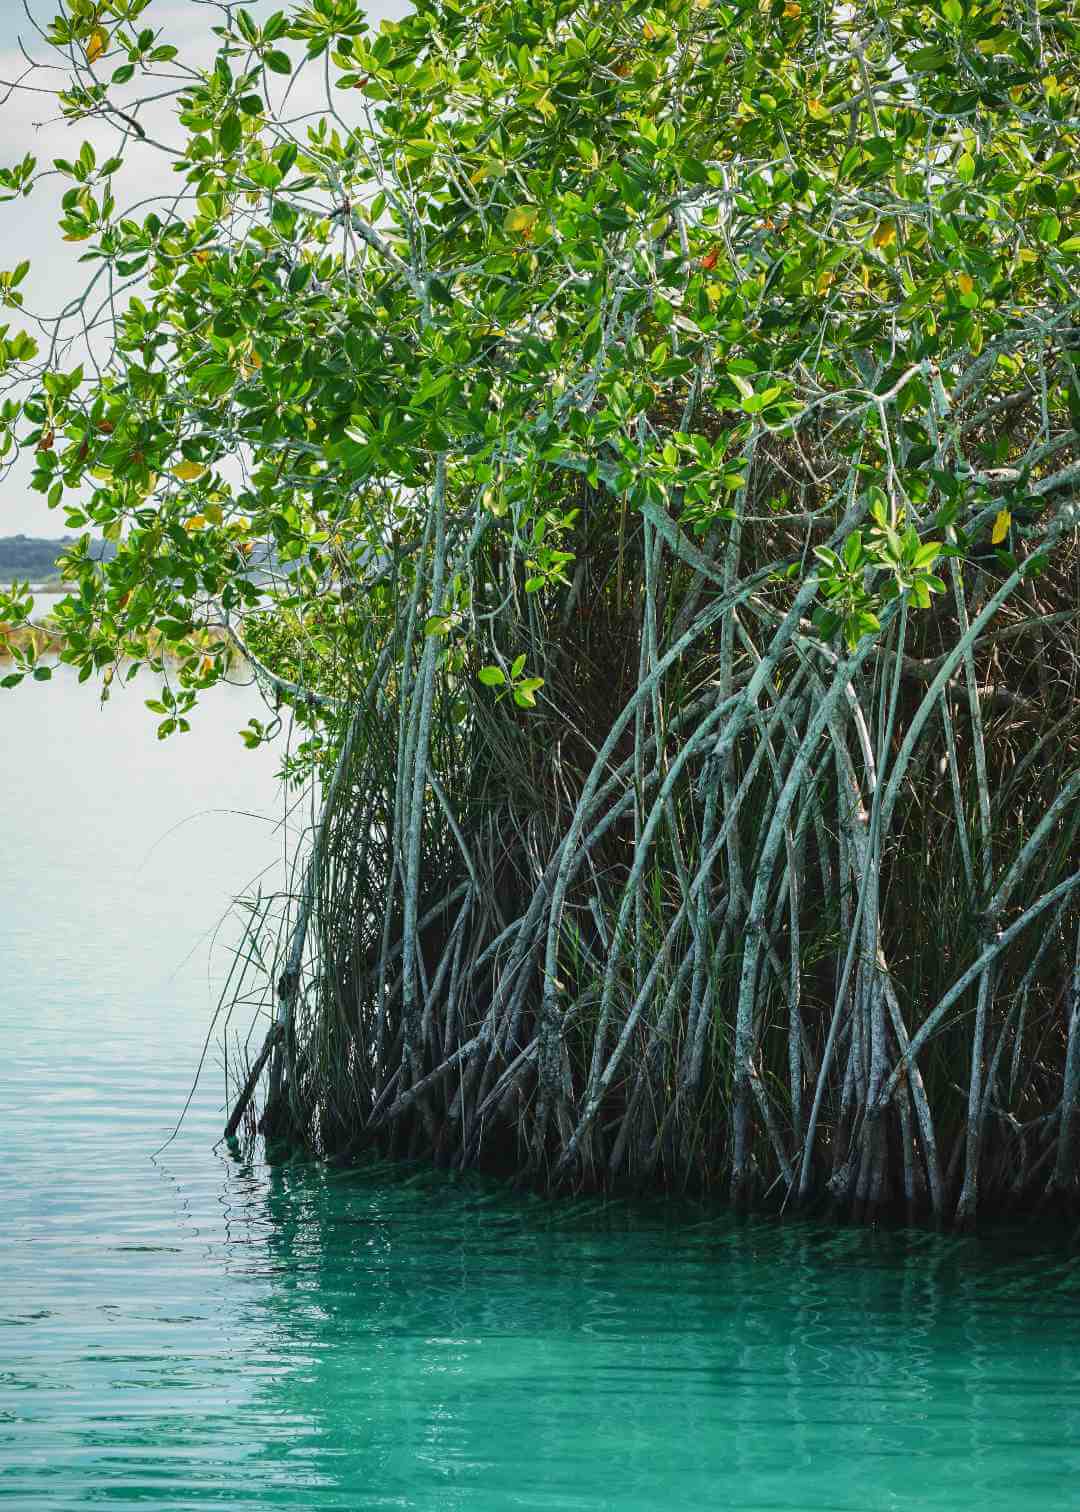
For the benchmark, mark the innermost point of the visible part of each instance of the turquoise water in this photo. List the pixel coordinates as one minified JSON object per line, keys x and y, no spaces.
{"x":192,"y":1332}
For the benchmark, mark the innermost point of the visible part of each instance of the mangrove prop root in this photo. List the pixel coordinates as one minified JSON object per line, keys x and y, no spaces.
{"x":761,"y":915}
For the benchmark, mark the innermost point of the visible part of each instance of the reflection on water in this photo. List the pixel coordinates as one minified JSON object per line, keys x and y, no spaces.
{"x":193,"y":1331}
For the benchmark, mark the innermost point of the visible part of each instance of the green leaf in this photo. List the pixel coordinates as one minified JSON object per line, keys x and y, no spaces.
{"x":492,"y":677}
{"x":518,"y":665}
{"x":853,"y":550}
{"x":278,"y":62}
{"x":927,"y":60}
{"x":867,"y":623}
{"x":230,"y":133}
{"x":850,"y":161}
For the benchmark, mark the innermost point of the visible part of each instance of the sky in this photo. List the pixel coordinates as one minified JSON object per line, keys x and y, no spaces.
{"x":29,"y":123}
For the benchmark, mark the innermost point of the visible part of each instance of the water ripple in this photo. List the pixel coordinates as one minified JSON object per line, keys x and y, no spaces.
{"x":197,"y":1331}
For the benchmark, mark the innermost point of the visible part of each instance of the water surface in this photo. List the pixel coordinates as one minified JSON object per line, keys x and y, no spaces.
{"x":191,"y":1332}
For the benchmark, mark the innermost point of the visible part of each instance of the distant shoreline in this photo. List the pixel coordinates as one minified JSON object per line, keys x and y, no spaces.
{"x":36,"y":559}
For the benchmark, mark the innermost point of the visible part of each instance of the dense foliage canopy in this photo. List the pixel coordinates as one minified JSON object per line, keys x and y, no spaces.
{"x":658,"y":425}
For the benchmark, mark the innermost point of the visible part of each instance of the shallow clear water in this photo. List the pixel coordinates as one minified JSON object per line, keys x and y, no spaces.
{"x":193,"y":1332}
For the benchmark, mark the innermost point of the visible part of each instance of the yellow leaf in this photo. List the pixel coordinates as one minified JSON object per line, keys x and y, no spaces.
{"x":816,"y":109}
{"x":965,"y":283}
{"x":187,"y":472}
{"x":196,"y":522}
{"x":545,"y":107}
{"x":885,"y":234}
{"x":792,"y":10}
{"x":96,"y":44}
{"x":521,"y":220}
{"x":648,"y":31}
{"x":1001,"y":527}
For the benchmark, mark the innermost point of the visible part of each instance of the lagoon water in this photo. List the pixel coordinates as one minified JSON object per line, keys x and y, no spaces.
{"x":189,"y":1331}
